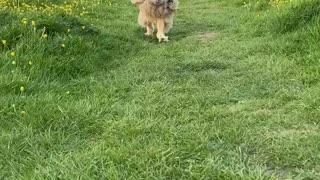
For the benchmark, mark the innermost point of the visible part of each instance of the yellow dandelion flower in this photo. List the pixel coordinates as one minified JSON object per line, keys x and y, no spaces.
{"x":13,"y":62}
{"x":44,"y":36}
{"x":83,"y":28}
{"x":30,"y":63}
{"x":22,"y":89}
{"x":63,"y":45}
{"x":33,"y":23}
{"x":4,"y":42}
{"x":24,"y":21}
{"x":23,"y":113}
{"x":12,"y":54}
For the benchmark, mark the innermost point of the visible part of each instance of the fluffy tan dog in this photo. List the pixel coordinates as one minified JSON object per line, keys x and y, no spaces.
{"x":159,"y":13}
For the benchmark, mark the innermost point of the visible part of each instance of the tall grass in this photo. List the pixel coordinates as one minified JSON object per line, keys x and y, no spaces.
{"x":298,"y":15}
{"x":38,"y":39}
{"x":264,"y":4}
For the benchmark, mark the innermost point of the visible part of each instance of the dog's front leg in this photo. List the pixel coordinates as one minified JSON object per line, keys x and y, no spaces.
{"x":137,"y":1}
{"x":149,"y":29}
{"x":160,"y":29}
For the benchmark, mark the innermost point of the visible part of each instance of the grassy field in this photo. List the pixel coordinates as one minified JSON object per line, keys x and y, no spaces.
{"x":233,"y":95}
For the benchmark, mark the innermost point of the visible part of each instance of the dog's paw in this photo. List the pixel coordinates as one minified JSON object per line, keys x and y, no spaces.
{"x":165,"y":39}
{"x":148,"y":34}
{"x":162,"y":38}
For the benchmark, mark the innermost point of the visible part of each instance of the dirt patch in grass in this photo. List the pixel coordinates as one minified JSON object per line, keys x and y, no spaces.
{"x":208,"y":36}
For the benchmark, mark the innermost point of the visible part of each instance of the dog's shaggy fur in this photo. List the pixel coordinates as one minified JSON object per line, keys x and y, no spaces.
{"x":159,"y":13}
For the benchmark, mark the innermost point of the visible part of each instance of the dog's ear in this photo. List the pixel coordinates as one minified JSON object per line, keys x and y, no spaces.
{"x":177,"y":2}
{"x":174,"y":5}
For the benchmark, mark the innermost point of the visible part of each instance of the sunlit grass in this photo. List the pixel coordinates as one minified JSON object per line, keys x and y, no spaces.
{"x":233,"y":95}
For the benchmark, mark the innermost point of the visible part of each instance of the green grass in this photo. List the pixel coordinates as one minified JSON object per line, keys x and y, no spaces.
{"x":240,"y":103}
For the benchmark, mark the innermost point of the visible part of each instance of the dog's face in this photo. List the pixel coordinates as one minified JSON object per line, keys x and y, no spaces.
{"x":158,"y":2}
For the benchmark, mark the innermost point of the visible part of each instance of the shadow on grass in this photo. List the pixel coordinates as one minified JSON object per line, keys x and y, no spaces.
{"x":183,"y":30}
{"x":179,"y":32}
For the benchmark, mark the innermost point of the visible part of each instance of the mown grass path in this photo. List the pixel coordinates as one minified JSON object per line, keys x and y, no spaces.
{"x":219,"y":101}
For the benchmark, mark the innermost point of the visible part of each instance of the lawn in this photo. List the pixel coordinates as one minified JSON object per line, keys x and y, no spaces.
{"x":84,"y":95}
